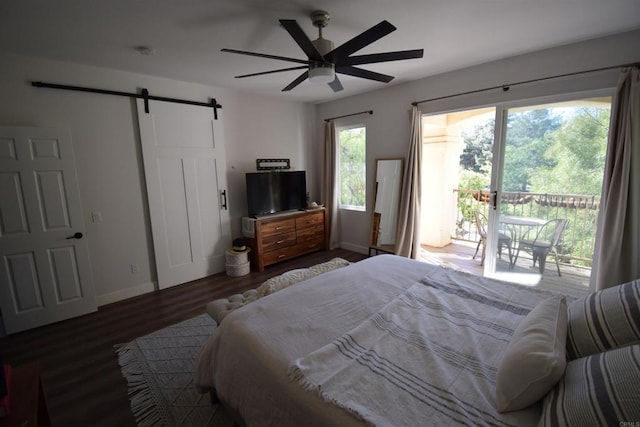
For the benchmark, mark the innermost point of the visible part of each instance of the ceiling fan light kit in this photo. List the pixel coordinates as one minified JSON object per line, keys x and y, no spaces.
{"x":323,"y":73}
{"x":324,"y":62}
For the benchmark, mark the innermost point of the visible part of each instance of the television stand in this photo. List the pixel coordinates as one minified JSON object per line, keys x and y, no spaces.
{"x":282,"y":236}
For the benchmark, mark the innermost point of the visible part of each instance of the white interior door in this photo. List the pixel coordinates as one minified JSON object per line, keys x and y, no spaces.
{"x":185,"y":170}
{"x":45,"y":273}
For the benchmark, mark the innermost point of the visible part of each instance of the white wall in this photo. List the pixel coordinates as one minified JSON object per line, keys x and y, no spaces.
{"x":388,"y":128}
{"x":108,"y":156}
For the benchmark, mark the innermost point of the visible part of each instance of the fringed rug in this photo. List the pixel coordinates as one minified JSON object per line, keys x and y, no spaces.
{"x":159,"y":371}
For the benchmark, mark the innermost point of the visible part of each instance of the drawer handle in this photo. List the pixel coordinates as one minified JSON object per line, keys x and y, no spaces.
{"x":279,"y":241}
{"x":281,"y":256}
{"x":278,"y":228}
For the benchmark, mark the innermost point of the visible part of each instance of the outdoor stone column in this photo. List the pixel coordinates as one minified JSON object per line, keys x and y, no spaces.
{"x":441,"y":150}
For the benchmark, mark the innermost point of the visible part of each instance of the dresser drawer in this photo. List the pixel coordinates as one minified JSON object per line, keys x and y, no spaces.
{"x":277,"y":227}
{"x":280,"y":255}
{"x":277,"y":241}
{"x":310,"y":245}
{"x":311,"y":233}
{"x":310,"y":220}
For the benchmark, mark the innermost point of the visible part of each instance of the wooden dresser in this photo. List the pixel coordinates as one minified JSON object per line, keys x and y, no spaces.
{"x":284,"y":236}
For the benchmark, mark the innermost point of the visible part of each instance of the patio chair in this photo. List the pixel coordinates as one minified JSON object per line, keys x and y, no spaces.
{"x":545,"y":242}
{"x":503,"y":238}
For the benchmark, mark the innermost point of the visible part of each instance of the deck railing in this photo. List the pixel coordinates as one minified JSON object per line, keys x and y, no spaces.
{"x":578,"y":240}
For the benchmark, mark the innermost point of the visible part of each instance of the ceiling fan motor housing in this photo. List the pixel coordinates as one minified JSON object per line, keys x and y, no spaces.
{"x":322,"y":72}
{"x":324,"y":46}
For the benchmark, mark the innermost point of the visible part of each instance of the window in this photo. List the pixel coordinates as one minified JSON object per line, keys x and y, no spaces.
{"x":352,"y":167}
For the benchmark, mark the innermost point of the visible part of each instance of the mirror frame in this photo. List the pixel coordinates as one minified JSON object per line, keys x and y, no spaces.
{"x":373,"y":243}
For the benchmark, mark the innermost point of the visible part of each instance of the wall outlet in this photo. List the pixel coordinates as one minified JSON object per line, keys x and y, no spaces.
{"x":135,"y":269}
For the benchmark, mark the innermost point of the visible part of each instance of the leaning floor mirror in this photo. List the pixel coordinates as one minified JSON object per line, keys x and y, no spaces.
{"x":386,"y":204}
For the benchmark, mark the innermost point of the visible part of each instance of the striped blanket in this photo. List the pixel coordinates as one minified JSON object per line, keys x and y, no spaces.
{"x":430,"y":354}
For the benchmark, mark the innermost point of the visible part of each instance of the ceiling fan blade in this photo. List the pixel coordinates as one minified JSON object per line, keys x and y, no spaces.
{"x":302,"y":67}
{"x":382,"y":57}
{"x":336,"y":85}
{"x":365,"y":74}
{"x":302,"y":39}
{"x":358,"y":42}
{"x":262,"y":55}
{"x":297,"y":81}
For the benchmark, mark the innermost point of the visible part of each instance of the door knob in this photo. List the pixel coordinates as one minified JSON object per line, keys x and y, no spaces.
{"x":77,"y":235}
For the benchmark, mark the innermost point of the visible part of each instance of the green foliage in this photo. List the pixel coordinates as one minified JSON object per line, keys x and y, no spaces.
{"x":578,"y":151}
{"x":352,"y":143}
{"x":527,"y":140}
{"x":478,"y":143}
{"x":472,"y":180}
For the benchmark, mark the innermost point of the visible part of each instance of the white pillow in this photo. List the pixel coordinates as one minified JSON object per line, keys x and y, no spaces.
{"x":535,"y":358}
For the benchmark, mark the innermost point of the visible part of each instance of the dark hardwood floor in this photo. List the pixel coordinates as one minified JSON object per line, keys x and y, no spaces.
{"x":80,"y":373}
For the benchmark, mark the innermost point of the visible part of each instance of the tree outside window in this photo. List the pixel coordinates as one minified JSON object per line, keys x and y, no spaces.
{"x":352,"y":167}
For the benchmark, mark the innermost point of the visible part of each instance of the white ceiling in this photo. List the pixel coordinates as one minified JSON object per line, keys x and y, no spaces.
{"x":188,"y":35}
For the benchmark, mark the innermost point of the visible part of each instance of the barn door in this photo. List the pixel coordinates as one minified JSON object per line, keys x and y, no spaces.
{"x":184,"y":164}
{"x":45,"y":273}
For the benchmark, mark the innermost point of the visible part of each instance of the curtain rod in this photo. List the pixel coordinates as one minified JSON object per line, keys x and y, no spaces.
{"x":506,"y":87}
{"x":349,"y":115}
{"x":144,"y":95}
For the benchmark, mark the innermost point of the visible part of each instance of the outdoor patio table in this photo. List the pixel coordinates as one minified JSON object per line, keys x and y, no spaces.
{"x":522,"y":220}
{"x":523,"y":224}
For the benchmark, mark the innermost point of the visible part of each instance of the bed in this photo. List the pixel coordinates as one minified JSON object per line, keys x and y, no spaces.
{"x":393,"y":341}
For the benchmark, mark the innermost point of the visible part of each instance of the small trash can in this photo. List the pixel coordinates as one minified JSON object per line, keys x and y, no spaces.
{"x":237,"y":262}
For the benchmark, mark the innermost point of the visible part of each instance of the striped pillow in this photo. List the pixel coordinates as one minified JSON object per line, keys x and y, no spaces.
{"x":604,"y":320}
{"x":599,"y":390}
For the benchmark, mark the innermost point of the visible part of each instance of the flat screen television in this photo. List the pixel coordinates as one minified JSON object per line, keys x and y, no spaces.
{"x":271,"y":192}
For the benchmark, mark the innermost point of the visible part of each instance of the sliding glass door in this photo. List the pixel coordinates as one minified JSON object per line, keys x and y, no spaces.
{"x":548,"y":163}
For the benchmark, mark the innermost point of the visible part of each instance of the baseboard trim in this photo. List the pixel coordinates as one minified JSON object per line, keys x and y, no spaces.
{"x":134,"y":291}
{"x":355,"y":248}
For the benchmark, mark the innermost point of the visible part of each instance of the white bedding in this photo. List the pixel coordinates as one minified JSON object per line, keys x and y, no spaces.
{"x":246,"y":361}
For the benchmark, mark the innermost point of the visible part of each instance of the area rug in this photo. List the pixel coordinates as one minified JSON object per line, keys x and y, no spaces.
{"x":159,"y":371}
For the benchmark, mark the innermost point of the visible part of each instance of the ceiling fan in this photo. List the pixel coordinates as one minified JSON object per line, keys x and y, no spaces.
{"x":323,"y":62}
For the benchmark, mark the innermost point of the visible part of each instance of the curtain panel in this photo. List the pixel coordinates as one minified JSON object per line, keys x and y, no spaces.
{"x":408,"y":226}
{"x":617,"y":249}
{"x":329,"y":190}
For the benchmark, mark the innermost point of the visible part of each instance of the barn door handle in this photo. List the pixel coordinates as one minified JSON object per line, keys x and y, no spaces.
{"x":223,"y":193}
{"x":77,"y":235}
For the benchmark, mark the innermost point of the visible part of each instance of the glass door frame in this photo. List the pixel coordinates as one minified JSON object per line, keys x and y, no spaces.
{"x":497,"y":163}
